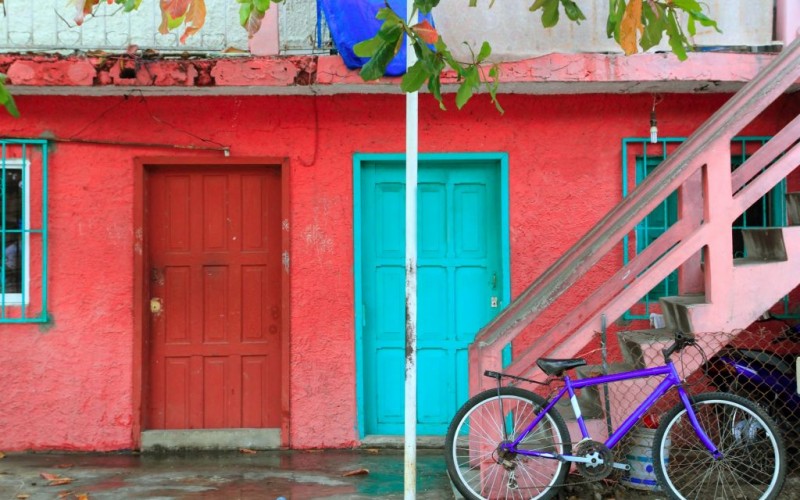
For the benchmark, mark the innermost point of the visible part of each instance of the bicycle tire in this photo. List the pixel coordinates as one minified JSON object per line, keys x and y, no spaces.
{"x":472,"y":463}
{"x":754,"y":456}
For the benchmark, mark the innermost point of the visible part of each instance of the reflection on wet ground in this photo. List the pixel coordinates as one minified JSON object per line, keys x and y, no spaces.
{"x":196,"y":475}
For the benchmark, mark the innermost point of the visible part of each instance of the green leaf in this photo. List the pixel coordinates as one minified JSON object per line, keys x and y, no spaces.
{"x":705,"y":20}
{"x":654,"y":26}
{"x":6,"y":99}
{"x":376,"y":66}
{"x":537,"y":5}
{"x":494,"y":74}
{"x":435,"y":88}
{"x":550,"y":14}
{"x":130,"y":5}
{"x":486,"y":51}
{"x":677,"y":41}
{"x":244,"y":13}
{"x":261,"y":5}
{"x":367,"y":47}
{"x":414,"y":78}
{"x":425,"y":6}
{"x":464,"y":94}
{"x":573,"y":11}
{"x":390,"y":31}
{"x":616,"y":11}
{"x":687,"y":5}
{"x":473,"y":3}
{"x":174,"y":23}
{"x":387,"y":14}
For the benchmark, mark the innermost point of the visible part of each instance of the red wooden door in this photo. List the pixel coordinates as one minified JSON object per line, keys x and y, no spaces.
{"x":215,"y":275}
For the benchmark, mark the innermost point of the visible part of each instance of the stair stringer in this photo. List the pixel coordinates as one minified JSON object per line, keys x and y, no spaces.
{"x":756,"y":286}
{"x":703,"y":153}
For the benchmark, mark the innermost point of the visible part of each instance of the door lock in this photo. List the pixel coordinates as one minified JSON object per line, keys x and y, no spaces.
{"x":155,"y":305}
{"x":495,"y":302}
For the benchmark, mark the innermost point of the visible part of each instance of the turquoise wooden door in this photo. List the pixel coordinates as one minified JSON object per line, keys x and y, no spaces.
{"x":460,"y":285}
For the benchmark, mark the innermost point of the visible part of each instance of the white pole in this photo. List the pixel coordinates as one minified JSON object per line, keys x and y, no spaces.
{"x":412,"y":130}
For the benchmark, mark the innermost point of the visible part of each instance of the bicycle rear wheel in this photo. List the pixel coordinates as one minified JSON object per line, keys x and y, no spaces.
{"x":475,"y":467}
{"x":753,"y":463}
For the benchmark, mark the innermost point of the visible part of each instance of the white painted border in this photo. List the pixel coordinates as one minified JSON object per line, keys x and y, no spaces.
{"x":16,"y":299}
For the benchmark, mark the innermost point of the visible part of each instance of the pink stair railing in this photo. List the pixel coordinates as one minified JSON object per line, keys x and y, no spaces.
{"x":712,"y":197}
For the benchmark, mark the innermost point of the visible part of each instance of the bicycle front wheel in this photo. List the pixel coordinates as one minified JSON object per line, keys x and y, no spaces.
{"x":476,"y":468}
{"x":753,"y":463}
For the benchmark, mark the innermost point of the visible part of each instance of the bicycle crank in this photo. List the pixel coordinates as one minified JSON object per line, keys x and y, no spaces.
{"x":598,"y":460}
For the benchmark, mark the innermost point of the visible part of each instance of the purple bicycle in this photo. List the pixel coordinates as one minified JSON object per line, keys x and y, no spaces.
{"x":512,"y":443}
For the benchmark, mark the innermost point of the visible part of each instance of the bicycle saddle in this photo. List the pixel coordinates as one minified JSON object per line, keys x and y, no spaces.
{"x":556,"y":367}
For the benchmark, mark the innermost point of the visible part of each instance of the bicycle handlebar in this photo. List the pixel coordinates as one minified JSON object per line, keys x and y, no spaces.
{"x":681,"y":340}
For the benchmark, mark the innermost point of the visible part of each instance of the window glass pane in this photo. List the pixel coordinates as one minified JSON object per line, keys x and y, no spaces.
{"x":12,"y":232}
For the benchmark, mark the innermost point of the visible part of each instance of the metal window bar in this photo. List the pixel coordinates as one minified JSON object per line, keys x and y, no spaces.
{"x":24,"y":300}
{"x":768,"y":211}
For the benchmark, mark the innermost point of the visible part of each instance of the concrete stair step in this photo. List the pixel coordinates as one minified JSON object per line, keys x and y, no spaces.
{"x":638,"y":346}
{"x":678,"y":311}
{"x":793,"y":208}
{"x":763,"y":245}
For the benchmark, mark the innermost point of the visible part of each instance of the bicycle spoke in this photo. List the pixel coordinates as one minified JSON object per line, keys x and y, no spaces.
{"x":480,"y":469}
{"x":752,"y":463}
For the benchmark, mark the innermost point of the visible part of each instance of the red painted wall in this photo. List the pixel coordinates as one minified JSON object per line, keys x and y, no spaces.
{"x":69,"y":385}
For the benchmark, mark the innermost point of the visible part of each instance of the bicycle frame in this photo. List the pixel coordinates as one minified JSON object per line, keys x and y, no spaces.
{"x":671,"y":380}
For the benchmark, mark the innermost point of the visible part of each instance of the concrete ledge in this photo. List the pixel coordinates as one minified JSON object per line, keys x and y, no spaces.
{"x":379,"y":441}
{"x":211,"y":439}
{"x":117,"y":74}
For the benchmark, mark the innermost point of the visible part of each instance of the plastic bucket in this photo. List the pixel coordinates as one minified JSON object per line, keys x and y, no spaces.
{"x":640,"y":457}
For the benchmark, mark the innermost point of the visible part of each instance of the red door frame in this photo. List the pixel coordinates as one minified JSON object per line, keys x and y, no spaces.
{"x":142,"y":168}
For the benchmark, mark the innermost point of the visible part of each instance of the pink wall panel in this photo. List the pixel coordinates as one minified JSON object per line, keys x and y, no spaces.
{"x":69,"y":384}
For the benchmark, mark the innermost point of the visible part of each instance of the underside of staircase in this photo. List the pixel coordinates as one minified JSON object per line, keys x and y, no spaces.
{"x":718,"y":293}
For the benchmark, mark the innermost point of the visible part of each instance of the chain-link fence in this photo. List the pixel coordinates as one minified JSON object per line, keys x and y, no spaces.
{"x":759,"y":364}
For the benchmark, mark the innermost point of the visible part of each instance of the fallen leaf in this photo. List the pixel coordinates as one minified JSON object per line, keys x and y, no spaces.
{"x":55,"y":479}
{"x":82,"y":496}
{"x":64,"y":466}
{"x":2,"y":455}
{"x":23,"y":496}
{"x":64,"y":494}
{"x":247,"y":451}
{"x":356,"y":472}
{"x":373,"y":451}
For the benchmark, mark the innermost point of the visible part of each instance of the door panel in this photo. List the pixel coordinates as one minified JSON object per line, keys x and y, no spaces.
{"x":215,"y":333}
{"x":459,"y":270}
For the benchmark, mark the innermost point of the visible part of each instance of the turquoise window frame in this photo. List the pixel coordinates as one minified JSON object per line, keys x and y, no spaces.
{"x":773,"y":209}
{"x":30,"y":157}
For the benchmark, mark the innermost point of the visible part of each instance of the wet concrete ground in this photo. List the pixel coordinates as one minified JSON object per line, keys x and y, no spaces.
{"x":265,"y":475}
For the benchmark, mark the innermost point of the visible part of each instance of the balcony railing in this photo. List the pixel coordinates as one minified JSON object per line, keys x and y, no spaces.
{"x":49,"y":26}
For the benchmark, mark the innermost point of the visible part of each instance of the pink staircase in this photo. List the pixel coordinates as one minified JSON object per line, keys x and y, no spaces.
{"x":720,"y":294}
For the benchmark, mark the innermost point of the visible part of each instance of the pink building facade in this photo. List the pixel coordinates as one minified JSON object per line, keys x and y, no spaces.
{"x":125,"y":154}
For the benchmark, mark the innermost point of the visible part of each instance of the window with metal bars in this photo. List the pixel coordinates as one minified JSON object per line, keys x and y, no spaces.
{"x":23,"y":231}
{"x":769,"y":211}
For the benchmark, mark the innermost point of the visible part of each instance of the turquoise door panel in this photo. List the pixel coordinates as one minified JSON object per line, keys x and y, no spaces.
{"x":460,"y":270}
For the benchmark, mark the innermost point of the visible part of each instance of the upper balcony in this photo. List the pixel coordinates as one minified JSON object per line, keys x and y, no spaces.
{"x":43,"y":51}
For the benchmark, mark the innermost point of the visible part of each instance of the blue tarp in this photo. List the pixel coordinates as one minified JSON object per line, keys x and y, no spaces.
{"x":353,"y":21}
